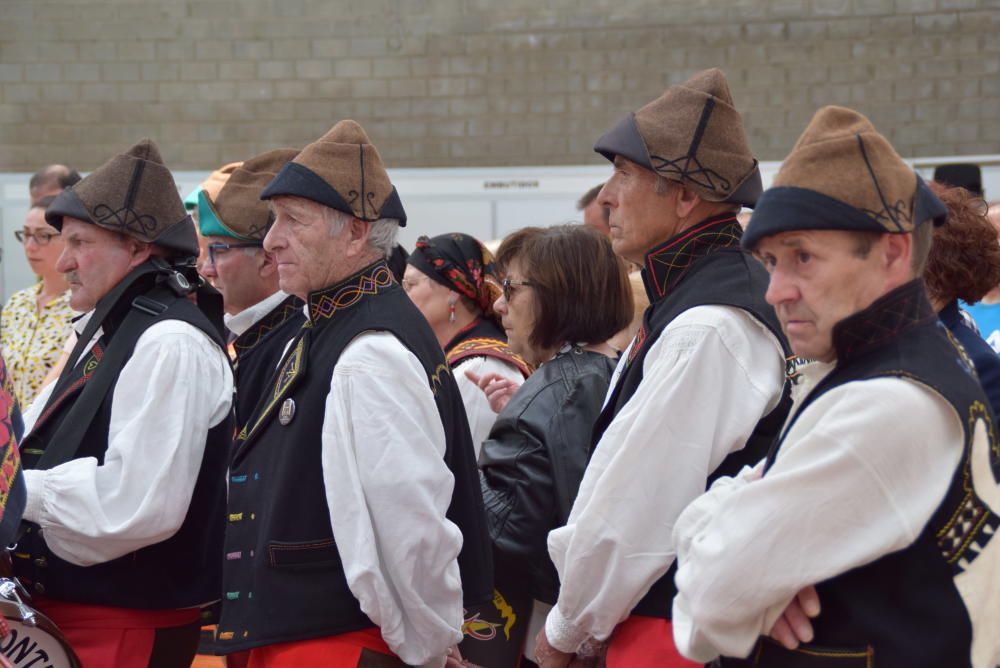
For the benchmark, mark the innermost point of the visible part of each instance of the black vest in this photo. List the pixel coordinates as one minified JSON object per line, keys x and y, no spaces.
{"x":283,"y":577}
{"x":181,"y":571}
{"x":701,"y":266}
{"x":904,"y":610}
{"x":258,"y":351}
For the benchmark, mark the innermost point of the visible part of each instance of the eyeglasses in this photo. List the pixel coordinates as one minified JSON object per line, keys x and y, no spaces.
{"x":41,"y":237}
{"x":217,"y":249}
{"x":506,"y":284}
{"x":410,"y":283}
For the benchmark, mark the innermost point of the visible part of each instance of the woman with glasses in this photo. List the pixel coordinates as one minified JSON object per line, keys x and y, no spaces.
{"x":450,"y":279}
{"x":36,"y":321}
{"x":565,"y":293}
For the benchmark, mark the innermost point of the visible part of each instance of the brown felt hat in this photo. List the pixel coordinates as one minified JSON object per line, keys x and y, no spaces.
{"x":843,"y":175}
{"x":213,"y":184}
{"x":133,"y":194}
{"x":341,"y":170}
{"x":239,"y":211}
{"x":692,"y":134}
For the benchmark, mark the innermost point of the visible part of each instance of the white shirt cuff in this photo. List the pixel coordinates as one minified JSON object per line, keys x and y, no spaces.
{"x":561,"y":633}
{"x":34,"y":482}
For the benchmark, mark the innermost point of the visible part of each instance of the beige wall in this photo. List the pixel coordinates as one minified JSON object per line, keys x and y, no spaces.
{"x":476,"y":82}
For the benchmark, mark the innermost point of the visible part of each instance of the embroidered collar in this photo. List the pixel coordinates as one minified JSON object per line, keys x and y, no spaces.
{"x":323,"y":304}
{"x":256,"y":332}
{"x":667,"y":264}
{"x":466,"y":332}
{"x":887,"y":317}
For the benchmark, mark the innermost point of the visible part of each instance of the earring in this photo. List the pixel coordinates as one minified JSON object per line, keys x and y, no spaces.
{"x":451,"y":311}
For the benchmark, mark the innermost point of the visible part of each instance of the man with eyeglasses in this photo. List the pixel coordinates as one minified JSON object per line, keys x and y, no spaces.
{"x":260,"y":317}
{"x":211,"y":185}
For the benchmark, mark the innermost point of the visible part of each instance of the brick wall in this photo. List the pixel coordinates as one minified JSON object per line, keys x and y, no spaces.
{"x":476,"y":82}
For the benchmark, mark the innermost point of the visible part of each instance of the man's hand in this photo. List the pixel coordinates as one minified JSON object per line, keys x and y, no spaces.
{"x":548,"y":656}
{"x":794,"y":625}
{"x":498,"y":389}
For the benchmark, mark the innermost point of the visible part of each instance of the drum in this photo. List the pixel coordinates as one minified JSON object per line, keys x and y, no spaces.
{"x":27,"y":637}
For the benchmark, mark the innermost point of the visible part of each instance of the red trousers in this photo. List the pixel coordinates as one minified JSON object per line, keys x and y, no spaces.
{"x":645,"y":642}
{"x":347,"y":650}
{"x":122,"y":637}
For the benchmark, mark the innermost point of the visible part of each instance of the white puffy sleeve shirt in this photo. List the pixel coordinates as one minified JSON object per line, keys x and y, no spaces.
{"x":713,"y":373}
{"x":477,"y":407}
{"x":859,"y":475}
{"x":388,"y":489}
{"x":174,"y":388}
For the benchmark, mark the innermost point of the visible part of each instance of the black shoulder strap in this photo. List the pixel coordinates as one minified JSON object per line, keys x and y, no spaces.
{"x":157,"y":305}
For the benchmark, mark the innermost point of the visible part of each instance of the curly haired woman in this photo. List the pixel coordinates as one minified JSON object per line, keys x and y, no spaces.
{"x":964,"y":264}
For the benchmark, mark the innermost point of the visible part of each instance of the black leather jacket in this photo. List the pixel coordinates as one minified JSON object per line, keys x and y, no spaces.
{"x":533,"y":461}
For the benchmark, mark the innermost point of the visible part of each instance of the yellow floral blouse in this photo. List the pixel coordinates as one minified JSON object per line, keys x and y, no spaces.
{"x":32,"y":342}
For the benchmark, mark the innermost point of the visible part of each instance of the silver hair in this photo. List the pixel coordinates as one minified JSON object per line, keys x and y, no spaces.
{"x":381,"y":234}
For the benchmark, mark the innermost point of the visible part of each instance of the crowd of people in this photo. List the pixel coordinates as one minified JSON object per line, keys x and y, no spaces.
{"x":672,"y":435}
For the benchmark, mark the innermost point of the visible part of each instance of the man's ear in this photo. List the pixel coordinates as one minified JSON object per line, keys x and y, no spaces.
{"x":357,"y":236}
{"x":139,"y":252}
{"x":686,"y":202}
{"x":898,"y":251}
{"x":266,"y":266}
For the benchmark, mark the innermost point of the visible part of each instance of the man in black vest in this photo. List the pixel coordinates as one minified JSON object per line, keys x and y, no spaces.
{"x":125,"y":453}
{"x":261,"y":317}
{"x":697,"y":393}
{"x":353,"y":483}
{"x":867,"y":537}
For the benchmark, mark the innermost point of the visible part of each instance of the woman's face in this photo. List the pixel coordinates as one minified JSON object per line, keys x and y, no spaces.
{"x":42,"y":243}
{"x":516,"y":309}
{"x":429,"y":296}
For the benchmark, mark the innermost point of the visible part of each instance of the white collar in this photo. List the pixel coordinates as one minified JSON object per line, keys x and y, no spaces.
{"x":247,"y":318}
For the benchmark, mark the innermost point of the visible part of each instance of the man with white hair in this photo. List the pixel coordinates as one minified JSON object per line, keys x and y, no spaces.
{"x":353,"y":481}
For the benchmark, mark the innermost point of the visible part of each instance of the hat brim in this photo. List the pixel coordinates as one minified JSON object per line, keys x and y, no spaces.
{"x":791,"y":209}
{"x":299,"y":181}
{"x":624,"y":140}
{"x":67,"y":204}
{"x":191,"y":201}
{"x":180,"y":238}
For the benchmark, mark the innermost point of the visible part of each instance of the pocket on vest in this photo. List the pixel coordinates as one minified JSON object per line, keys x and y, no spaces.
{"x":302,"y":555}
{"x":771,"y":654}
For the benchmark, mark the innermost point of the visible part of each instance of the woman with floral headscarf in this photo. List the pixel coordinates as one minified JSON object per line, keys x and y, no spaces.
{"x":450,"y":279}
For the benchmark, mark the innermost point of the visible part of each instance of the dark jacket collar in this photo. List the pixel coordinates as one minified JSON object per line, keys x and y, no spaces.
{"x":667,"y":264}
{"x":888,"y":316}
{"x":348,"y":293}
{"x":951,"y":315}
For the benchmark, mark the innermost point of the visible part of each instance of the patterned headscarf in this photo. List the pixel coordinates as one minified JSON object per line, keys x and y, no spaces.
{"x":460,"y":263}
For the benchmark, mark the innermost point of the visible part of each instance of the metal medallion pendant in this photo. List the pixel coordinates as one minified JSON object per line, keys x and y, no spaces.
{"x":287,"y":412}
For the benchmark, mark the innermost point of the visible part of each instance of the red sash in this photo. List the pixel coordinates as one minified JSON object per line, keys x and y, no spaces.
{"x":339,"y":650}
{"x":645,"y":642}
